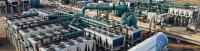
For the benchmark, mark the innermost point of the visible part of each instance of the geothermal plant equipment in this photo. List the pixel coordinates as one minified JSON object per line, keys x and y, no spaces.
{"x":157,"y":42}
{"x":64,"y":30}
{"x":30,"y":32}
{"x":60,"y":29}
{"x":16,"y":6}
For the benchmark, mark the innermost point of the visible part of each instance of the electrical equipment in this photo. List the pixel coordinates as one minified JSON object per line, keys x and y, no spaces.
{"x":109,"y":41}
{"x":74,"y":44}
{"x":133,"y":35}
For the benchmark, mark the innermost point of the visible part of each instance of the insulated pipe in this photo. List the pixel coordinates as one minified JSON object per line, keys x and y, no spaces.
{"x":132,"y":21}
{"x":127,"y":18}
{"x":121,"y":8}
{"x":100,"y":8}
{"x":157,"y":42}
{"x":124,"y":19}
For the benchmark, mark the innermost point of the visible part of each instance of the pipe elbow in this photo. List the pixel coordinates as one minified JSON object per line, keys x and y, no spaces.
{"x":83,"y":10}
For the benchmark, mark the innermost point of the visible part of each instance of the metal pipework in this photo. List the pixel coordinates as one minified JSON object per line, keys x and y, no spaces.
{"x":96,"y":22}
{"x":100,"y":8}
{"x":157,"y":42}
{"x":128,"y":17}
{"x":120,"y":9}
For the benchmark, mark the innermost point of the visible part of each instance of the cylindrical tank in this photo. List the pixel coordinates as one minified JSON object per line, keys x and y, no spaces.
{"x":157,"y":42}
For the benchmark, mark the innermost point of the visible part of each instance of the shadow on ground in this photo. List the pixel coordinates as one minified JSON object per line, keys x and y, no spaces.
{"x":5,"y":45}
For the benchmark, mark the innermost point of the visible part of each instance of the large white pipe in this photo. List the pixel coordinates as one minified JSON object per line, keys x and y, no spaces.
{"x":157,"y":42}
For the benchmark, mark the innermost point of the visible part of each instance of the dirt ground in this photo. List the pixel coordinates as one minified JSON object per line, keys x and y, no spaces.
{"x":183,"y":46}
{"x":2,"y":28}
{"x":5,"y":45}
{"x":186,"y":1}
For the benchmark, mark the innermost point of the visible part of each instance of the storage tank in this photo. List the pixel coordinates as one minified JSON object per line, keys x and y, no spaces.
{"x":157,"y":42}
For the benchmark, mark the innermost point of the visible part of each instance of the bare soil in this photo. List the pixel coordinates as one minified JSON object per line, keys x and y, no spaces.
{"x":186,"y":1}
{"x":5,"y":45}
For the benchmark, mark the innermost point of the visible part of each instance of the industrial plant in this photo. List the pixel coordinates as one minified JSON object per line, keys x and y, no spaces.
{"x":99,"y":25}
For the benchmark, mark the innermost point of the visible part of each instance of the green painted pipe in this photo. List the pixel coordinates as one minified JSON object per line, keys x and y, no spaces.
{"x":75,"y":28}
{"x":121,"y":8}
{"x":100,"y":8}
{"x":96,"y":22}
{"x":132,"y":21}
{"x":124,"y":19}
{"x":129,"y":19}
